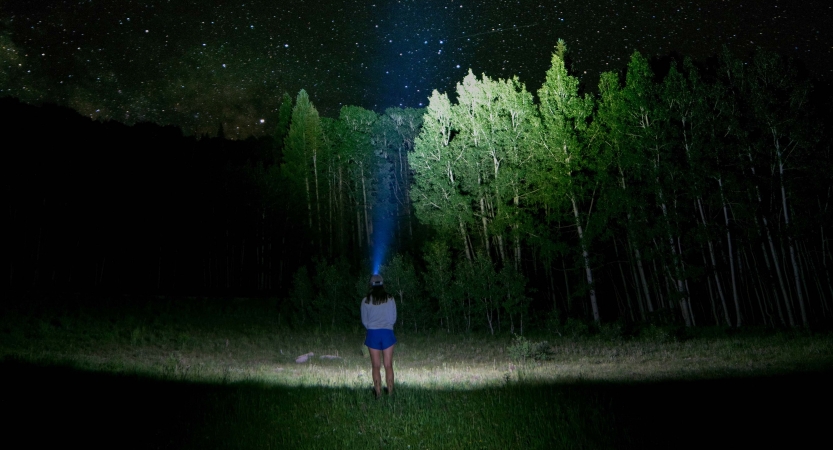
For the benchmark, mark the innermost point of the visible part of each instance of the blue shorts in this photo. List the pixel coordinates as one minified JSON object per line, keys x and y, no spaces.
{"x":379,"y":339}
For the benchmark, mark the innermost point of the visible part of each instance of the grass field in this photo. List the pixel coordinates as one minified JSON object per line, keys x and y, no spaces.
{"x":178,"y":373}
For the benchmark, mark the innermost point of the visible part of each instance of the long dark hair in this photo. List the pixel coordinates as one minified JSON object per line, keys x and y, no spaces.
{"x":377,"y":295}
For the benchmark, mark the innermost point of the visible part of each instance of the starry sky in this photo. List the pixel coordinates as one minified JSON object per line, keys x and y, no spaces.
{"x":198,"y":64}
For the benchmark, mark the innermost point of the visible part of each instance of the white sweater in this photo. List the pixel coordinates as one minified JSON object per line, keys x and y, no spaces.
{"x":381,"y":316}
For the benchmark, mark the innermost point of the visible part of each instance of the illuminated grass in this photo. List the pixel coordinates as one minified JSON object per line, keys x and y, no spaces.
{"x":437,"y":361}
{"x":228,"y":379}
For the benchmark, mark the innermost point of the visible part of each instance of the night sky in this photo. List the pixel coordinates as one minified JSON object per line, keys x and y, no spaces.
{"x":201,"y":63}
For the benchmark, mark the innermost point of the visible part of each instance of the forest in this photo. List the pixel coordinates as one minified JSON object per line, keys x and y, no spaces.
{"x":676,"y":192}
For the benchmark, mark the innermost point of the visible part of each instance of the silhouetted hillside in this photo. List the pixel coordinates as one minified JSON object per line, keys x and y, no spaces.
{"x":123,"y":208}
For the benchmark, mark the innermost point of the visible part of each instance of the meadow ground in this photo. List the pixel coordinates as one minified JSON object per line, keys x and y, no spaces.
{"x":191,"y":373}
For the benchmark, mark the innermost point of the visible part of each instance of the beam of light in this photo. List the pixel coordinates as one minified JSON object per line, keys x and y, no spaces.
{"x":382,"y":232}
{"x":384,"y":215}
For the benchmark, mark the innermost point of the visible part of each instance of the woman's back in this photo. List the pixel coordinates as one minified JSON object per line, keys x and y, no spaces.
{"x":381,"y":316}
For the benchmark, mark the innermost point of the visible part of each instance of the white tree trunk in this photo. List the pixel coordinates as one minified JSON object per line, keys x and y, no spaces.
{"x":731,"y":254}
{"x":796,"y":270}
{"x":587,"y":270}
{"x":772,"y":250}
{"x":309,"y":204}
{"x":465,"y":240}
{"x":677,"y":275}
{"x":718,"y":286}
{"x":367,"y":226}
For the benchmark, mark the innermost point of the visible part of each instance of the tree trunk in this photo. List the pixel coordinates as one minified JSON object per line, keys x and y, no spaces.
{"x":772,"y":250}
{"x":711,"y":296}
{"x":625,"y":282}
{"x":517,"y":236}
{"x":718,"y":286}
{"x":330,"y":207}
{"x":805,"y":263}
{"x":489,"y":318}
{"x":309,"y":208}
{"x":368,"y":227}
{"x":465,"y":239}
{"x":317,"y":196}
{"x":358,"y":227}
{"x":586,"y":257}
{"x":501,"y":249}
{"x":636,"y":253}
{"x":677,"y":275}
{"x":731,"y":254}
{"x":485,"y":225}
{"x":824,"y":244}
{"x":771,"y":284}
{"x":645,"y":287}
{"x":657,"y":282}
{"x":796,"y":270}
{"x":685,"y":303}
{"x":764,"y":313}
{"x":340,"y":207}
{"x":567,"y":285}
{"x":637,"y":289}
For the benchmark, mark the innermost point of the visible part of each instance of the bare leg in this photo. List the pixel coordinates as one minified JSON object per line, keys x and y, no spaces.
{"x":389,"y":368}
{"x":376,"y":363}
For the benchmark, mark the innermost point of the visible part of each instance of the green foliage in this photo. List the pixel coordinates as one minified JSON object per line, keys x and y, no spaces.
{"x":477,"y":288}
{"x":434,"y":192}
{"x":297,"y":307}
{"x":552,"y":322}
{"x":437,"y":280}
{"x":514,"y":301}
{"x":325,"y":298}
{"x":358,"y":163}
{"x":657,"y":333}
{"x":303,"y":147}
{"x":414,"y":308}
{"x":523,"y":349}
{"x":561,"y":49}
{"x":576,"y":328}
{"x":571,"y":170}
{"x":136,"y":335}
{"x":476,"y":184}
{"x":333,"y":308}
{"x":617,"y":331}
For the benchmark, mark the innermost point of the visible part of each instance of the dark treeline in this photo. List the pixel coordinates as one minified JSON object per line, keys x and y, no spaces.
{"x":106,"y":207}
{"x":678,"y":193}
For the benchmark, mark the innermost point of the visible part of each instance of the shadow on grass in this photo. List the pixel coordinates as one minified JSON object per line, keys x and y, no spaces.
{"x":63,"y":406}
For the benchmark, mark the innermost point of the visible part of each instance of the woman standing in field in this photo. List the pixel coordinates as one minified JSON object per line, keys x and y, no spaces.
{"x":378,"y":316}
